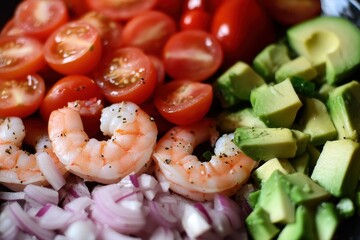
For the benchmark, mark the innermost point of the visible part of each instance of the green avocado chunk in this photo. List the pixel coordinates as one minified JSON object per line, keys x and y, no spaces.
{"x":298,"y":67}
{"x":338,"y":167}
{"x":344,"y":104}
{"x":326,"y":220}
{"x":332,"y":44}
{"x":259,"y":225}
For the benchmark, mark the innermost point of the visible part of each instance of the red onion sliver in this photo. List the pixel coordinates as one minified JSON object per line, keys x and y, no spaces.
{"x":12,"y":196}
{"x":109,"y":233}
{"x":83,"y":229}
{"x":42,"y":195}
{"x":134,"y":180}
{"x":8,"y":228}
{"x":163,"y":217}
{"x":27,"y":224}
{"x":43,"y":210}
{"x":54,"y":218}
{"x":203,"y":210}
{"x":49,"y":169}
{"x":230,"y":208}
{"x":78,"y":204}
{"x":193,"y":222}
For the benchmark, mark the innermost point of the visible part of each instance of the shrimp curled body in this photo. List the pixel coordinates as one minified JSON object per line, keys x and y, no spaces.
{"x":19,"y":167}
{"x":132,"y":137}
{"x":225,"y":173}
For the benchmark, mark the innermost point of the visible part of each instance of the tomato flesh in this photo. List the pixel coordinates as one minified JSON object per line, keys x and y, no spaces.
{"x":20,"y":56}
{"x":21,"y":97}
{"x":126,"y":74}
{"x":184,"y":102}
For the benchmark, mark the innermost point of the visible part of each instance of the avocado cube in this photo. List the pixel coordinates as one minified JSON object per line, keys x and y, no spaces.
{"x":263,"y":172}
{"x":229,"y":121}
{"x":338,"y":167}
{"x":259,"y":225}
{"x":270,"y":59}
{"x":304,"y":190}
{"x":302,"y":228}
{"x":275,"y":200}
{"x":315,"y":121}
{"x":301,"y":163}
{"x":236,"y":83}
{"x":266,"y":143}
{"x":326,"y":221}
{"x":276,"y":105}
{"x":253,"y":198}
{"x":302,"y":140}
{"x":344,"y":104}
{"x":298,"y":67}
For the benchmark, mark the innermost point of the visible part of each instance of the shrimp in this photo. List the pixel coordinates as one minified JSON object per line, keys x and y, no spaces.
{"x":224,"y":173}
{"x":132,"y":137}
{"x":19,"y":167}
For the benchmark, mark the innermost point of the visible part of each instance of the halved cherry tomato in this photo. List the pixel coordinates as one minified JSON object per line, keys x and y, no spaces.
{"x":160,"y":69}
{"x":126,"y":74}
{"x":195,"y":19}
{"x":10,"y":29}
{"x":149,"y":31}
{"x":194,"y":55}
{"x":21,"y":97}
{"x":39,"y":18}
{"x":121,"y":9}
{"x":69,"y":89}
{"x":195,"y":4}
{"x":162,"y":124}
{"x":243,"y":29}
{"x":74,"y":48}
{"x":109,"y":30}
{"x":76,"y":8}
{"x":291,"y":12}
{"x":20,"y":56}
{"x":184,"y":102}
{"x":172,"y":8}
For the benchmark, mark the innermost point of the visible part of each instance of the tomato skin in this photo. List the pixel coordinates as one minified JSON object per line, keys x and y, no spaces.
{"x":183,"y":102}
{"x":243,"y":29}
{"x":160,"y":69}
{"x":39,"y":18}
{"x":10,"y":29}
{"x":21,"y":97}
{"x":292,"y":12}
{"x":21,"y":55}
{"x":74,"y":48}
{"x":195,"y":19}
{"x":172,"y":8}
{"x":162,"y":124}
{"x":194,"y":55}
{"x":68,"y":89}
{"x":119,"y":9}
{"x":127,"y":74}
{"x":149,"y":32}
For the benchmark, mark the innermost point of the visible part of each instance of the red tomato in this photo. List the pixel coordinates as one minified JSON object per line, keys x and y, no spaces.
{"x":160,"y":69}
{"x":195,"y":4}
{"x":76,"y":8}
{"x":172,"y":8}
{"x":184,"y":102}
{"x":10,"y":29}
{"x":291,"y":12}
{"x":162,"y":124}
{"x":109,"y":30}
{"x":121,"y":9}
{"x":21,"y":97}
{"x":194,"y":55}
{"x":39,"y":18}
{"x":243,"y":29}
{"x":74,"y":48}
{"x":20,"y":56}
{"x":149,"y":31}
{"x":195,"y":19}
{"x":68,"y":89}
{"x":126,"y":74}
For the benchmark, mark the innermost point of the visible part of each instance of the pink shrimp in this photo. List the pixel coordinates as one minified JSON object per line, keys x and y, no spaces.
{"x":132,"y":132}
{"x":225,"y":173}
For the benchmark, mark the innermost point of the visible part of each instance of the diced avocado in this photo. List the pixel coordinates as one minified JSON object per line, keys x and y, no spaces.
{"x":259,"y":225}
{"x":276,"y":105}
{"x":344,"y":104}
{"x":338,"y":167}
{"x":275,"y":200}
{"x":330,"y":43}
{"x":304,"y":190}
{"x":315,"y":121}
{"x":326,"y":221}
{"x":298,"y":67}
{"x":302,"y":228}
{"x":303,"y":87}
{"x":253,"y":198}
{"x":324,"y":91}
{"x":302,"y":140}
{"x":345,"y":207}
{"x":236,"y":83}
{"x":263,"y":172}
{"x":229,"y":121}
{"x":301,"y":163}
{"x":270,"y":59}
{"x":266,"y":143}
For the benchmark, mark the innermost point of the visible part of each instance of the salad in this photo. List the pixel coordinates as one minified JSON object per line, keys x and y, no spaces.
{"x":192,"y":119}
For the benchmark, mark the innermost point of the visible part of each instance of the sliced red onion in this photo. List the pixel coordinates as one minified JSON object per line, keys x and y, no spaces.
{"x":81,"y":230}
{"x":109,"y":233}
{"x":193,"y":222}
{"x":165,"y":233}
{"x":8,"y":227}
{"x":150,"y":185}
{"x":54,"y":217}
{"x":220,"y":223}
{"x":161,"y":213}
{"x":27,"y":224}
{"x":51,"y":172}
{"x":12,"y":196}
{"x":203,"y":210}
{"x":134,"y":180}
{"x":43,"y":210}
{"x":42,"y":195}
{"x":78,"y":204}
{"x":230,"y":208}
